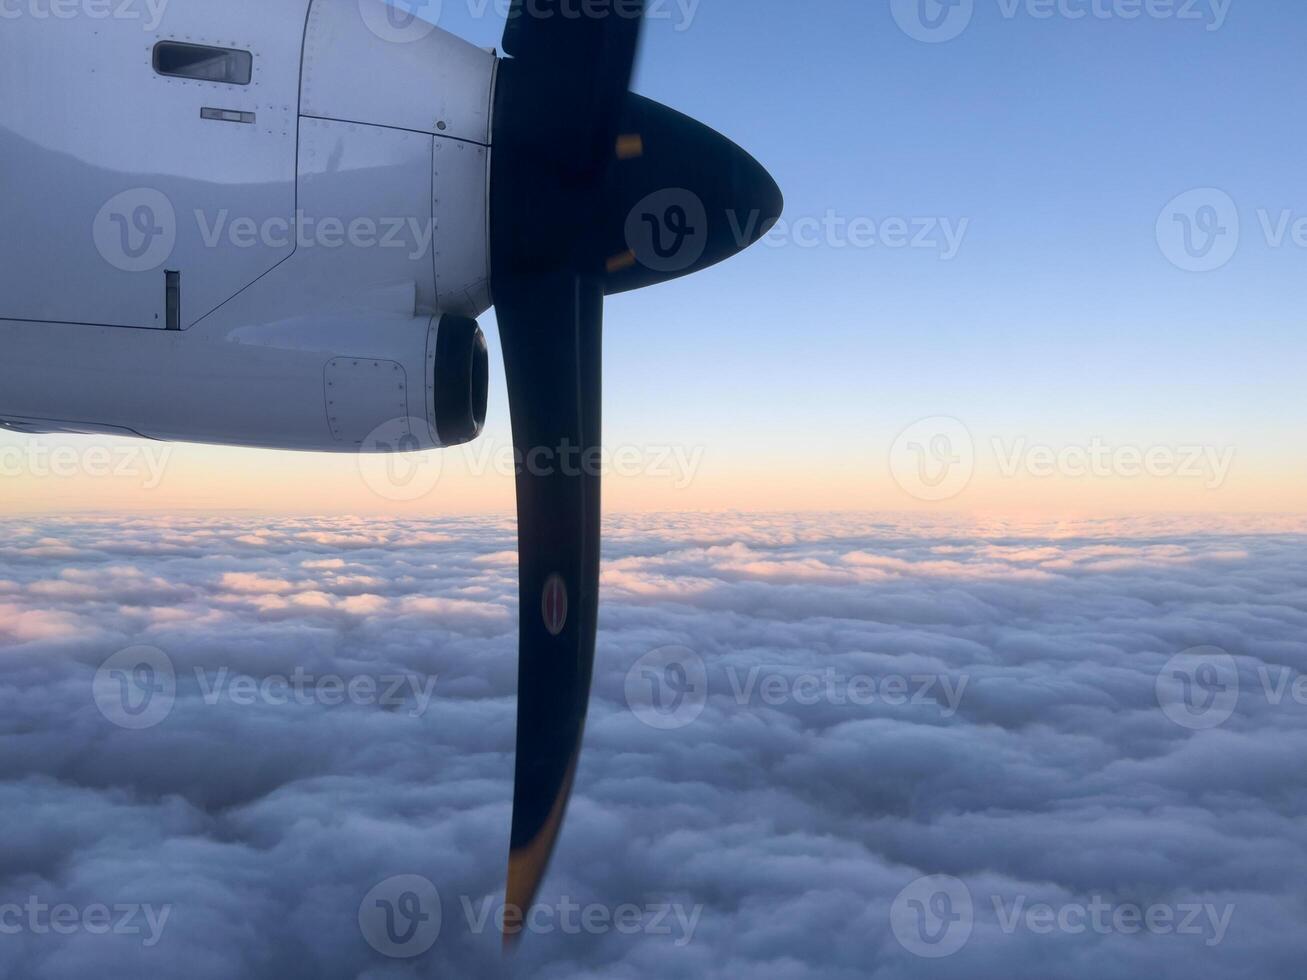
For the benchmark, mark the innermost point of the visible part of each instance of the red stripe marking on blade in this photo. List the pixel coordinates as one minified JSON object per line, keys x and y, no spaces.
{"x":553,"y":605}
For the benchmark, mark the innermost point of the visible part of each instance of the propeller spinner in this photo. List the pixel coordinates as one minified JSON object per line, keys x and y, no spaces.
{"x":594,"y":190}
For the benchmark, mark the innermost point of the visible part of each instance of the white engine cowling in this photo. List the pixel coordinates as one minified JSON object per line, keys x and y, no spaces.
{"x":294,"y":262}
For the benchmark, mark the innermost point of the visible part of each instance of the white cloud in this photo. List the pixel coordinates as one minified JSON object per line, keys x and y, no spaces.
{"x":794,"y":821}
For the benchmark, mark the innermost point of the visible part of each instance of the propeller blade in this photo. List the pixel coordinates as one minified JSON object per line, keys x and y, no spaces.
{"x":558,"y":106}
{"x":578,"y":162}
{"x":558,"y":103}
{"x":595,"y":47}
{"x":551,"y":328}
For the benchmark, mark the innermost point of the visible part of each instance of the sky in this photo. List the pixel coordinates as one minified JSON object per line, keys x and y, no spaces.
{"x":1045,"y":349}
{"x":910,"y":749}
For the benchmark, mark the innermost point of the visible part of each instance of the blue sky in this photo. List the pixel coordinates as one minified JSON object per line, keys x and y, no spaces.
{"x":1059,"y":141}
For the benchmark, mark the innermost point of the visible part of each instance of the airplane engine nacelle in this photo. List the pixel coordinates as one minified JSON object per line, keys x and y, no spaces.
{"x":255,"y":223}
{"x":347,"y":383}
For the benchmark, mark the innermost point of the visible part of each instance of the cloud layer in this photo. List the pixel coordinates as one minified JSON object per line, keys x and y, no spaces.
{"x":850,"y":705}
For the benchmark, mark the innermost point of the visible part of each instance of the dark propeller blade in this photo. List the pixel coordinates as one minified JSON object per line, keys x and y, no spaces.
{"x":592,"y":191}
{"x":551,"y":329}
{"x":557,"y":109}
{"x":558,"y":105}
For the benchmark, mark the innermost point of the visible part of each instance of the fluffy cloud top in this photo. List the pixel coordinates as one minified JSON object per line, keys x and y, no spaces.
{"x":882,"y":701}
